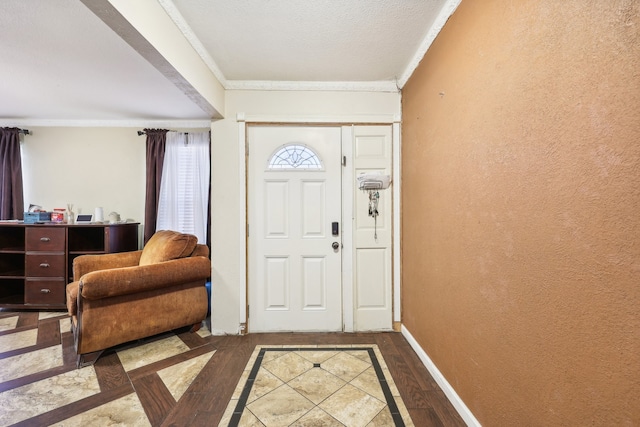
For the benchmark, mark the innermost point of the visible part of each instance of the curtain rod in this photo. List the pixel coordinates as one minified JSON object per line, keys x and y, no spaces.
{"x":141,"y":132}
{"x":24,"y":131}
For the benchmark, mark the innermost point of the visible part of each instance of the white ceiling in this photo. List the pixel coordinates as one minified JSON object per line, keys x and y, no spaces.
{"x":60,"y":63}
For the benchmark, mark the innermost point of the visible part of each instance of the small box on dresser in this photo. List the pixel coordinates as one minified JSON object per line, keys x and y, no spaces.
{"x":35,"y":217}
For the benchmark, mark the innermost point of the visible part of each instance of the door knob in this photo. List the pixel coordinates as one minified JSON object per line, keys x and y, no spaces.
{"x":335,"y":245}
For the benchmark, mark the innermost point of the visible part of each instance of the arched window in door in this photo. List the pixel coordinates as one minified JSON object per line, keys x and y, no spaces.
{"x":295,"y":156}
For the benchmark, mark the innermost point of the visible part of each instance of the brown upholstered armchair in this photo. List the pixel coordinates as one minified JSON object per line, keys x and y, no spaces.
{"x":121,"y":297}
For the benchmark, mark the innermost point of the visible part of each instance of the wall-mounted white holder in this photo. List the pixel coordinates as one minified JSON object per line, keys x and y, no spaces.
{"x":373,"y":181}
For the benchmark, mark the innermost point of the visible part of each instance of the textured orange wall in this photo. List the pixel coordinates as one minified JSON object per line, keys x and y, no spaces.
{"x":521,"y":210}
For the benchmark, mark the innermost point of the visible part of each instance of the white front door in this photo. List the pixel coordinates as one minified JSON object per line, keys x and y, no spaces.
{"x":294,"y":189}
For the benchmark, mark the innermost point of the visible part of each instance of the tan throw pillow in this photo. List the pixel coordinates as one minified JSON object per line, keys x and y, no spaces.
{"x":166,"y":245}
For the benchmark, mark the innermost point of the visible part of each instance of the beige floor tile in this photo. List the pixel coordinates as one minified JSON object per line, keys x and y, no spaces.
{"x":368,"y":382}
{"x":383,"y":419}
{"x":50,"y":314}
{"x":288,"y":366}
{"x":126,"y":411}
{"x":265,"y":382}
{"x":204,"y":331}
{"x":249,"y":420}
{"x":43,"y":396}
{"x":316,"y":384}
{"x":8,"y":323}
{"x":179,"y":377}
{"x":65,"y":325}
{"x":26,"y":364}
{"x":351,"y":406}
{"x":345,"y":366}
{"x":146,"y":354}
{"x":281,"y":407}
{"x":316,"y":356}
{"x":18,"y":340}
{"x":317,"y":418}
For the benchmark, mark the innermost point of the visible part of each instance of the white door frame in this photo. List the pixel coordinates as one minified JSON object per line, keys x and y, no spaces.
{"x":348,"y":313}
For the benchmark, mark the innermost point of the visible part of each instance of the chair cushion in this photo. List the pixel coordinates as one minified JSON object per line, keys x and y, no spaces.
{"x":166,"y":245}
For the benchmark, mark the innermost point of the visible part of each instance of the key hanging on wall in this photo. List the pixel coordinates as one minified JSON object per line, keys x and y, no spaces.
{"x":374,"y":197}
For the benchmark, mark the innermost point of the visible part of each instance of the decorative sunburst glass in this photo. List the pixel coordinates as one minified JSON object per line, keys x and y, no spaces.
{"x":295,"y":156}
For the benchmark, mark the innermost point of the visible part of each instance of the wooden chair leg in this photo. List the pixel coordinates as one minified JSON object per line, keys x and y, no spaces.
{"x":196,"y":327}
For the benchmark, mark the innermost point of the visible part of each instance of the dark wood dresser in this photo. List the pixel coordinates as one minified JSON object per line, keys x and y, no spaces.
{"x":36,"y":260}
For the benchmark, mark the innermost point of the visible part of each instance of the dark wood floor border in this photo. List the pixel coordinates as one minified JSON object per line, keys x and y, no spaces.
{"x":110,"y":372}
{"x":30,"y":318}
{"x":205,"y":395}
{"x":404,"y":378}
{"x":420,"y":391}
{"x":414,"y":362}
{"x":192,"y":339}
{"x":49,"y":333}
{"x":155,"y":397}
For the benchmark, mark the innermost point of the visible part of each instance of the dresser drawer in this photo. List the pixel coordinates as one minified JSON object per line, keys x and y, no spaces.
{"x":45,"y":265}
{"x":50,"y":292}
{"x":45,"y":239}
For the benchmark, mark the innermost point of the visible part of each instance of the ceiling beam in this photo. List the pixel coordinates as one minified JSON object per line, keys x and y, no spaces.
{"x":147,"y":28}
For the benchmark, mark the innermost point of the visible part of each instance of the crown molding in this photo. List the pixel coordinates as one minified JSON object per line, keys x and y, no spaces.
{"x":132,"y":123}
{"x":373,"y":86}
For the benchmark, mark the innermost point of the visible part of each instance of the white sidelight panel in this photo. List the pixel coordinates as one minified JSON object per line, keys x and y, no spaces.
{"x":370,"y":268}
{"x":371,"y":147}
{"x":372,"y":299}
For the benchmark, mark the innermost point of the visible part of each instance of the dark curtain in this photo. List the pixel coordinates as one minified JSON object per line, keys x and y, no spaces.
{"x":11,"y":192}
{"x":156,"y":143}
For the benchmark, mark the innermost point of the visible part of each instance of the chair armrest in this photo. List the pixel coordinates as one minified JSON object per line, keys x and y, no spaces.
{"x":130,"y":280}
{"x":87,"y":263}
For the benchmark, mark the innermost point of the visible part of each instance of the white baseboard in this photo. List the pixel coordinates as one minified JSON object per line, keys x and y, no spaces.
{"x":451,"y":394}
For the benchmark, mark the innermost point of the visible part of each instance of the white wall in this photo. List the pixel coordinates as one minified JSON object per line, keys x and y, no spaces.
{"x":227,"y":192}
{"x":88,"y":167}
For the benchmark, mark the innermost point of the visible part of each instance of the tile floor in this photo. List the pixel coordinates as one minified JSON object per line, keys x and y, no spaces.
{"x":183,"y":378}
{"x":41,"y":396}
{"x":316,"y":386}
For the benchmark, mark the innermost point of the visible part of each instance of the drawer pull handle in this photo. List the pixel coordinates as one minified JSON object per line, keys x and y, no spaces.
{"x":45,"y":239}
{"x":44,"y":265}
{"x":45,"y":291}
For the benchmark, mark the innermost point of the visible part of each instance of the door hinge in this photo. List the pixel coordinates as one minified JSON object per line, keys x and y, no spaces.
{"x":344,"y":160}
